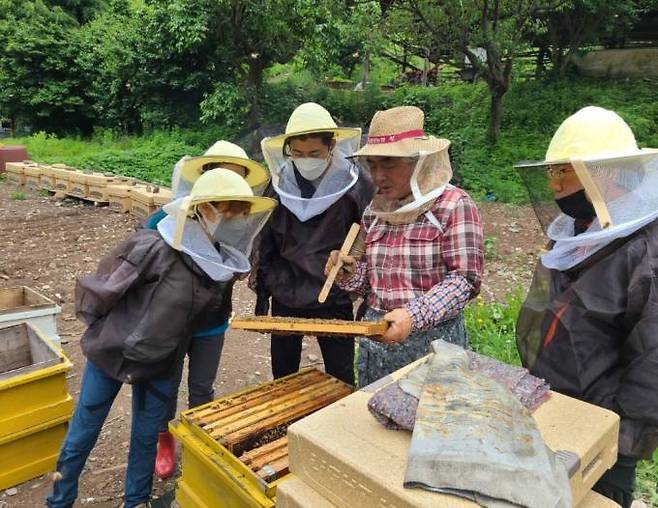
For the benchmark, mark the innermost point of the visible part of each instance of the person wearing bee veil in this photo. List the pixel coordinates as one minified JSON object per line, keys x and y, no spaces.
{"x":321,"y":194}
{"x":589,"y":324}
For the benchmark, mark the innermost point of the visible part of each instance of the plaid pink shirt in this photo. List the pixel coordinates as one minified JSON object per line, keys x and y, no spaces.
{"x":429,"y":271}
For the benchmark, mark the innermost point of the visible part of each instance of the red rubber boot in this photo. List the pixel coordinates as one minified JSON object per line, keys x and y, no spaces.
{"x":165,"y":460}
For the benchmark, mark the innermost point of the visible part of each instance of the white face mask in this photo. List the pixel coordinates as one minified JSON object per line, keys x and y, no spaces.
{"x":311,"y":168}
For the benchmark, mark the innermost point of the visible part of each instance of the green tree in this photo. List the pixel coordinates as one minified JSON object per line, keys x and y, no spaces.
{"x":39,"y":83}
{"x":495,"y":26}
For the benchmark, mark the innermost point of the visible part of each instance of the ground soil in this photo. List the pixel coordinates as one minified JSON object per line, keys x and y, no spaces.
{"x":46,"y":243}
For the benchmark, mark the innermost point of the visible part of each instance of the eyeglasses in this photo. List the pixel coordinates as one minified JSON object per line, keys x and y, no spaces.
{"x":384,"y":163}
{"x":558,"y":172}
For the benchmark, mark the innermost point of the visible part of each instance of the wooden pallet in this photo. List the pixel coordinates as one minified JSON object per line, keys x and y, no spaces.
{"x":253,"y":423}
{"x":301,"y":326}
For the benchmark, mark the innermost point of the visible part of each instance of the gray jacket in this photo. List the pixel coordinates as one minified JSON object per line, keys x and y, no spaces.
{"x":142,"y":306}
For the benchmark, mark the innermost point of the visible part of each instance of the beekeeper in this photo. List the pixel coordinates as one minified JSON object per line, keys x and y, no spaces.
{"x":142,"y":307}
{"x":322,"y":193}
{"x":589,"y":325}
{"x":424,"y":245}
{"x":205,"y":348}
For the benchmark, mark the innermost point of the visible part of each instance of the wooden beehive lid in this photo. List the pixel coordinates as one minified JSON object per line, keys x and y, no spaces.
{"x":99,"y":178}
{"x":162,"y":196}
{"x":303,"y":326}
{"x":61,"y":171}
{"x":22,"y":298}
{"x":32,"y":169}
{"x":121,"y":190}
{"x":143,"y":194}
{"x":15,"y":167}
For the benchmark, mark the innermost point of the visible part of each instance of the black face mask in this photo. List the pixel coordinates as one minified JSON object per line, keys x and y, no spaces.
{"x":577,"y":206}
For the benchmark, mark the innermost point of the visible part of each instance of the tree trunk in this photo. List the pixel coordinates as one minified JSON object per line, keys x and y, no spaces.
{"x":425,"y":68}
{"x":366,"y":71}
{"x":495,"y":113}
{"x":254,"y":82}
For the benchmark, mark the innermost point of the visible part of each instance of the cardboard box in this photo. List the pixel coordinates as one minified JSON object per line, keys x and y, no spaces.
{"x":294,"y":493}
{"x":346,"y":456}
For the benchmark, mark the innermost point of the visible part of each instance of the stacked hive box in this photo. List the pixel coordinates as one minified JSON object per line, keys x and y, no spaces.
{"x":36,"y":406}
{"x":62,"y":177}
{"x":78,"y":185}
{"x":15,"y":172}
{"x":118,"y":194}
{"x":22,"y":304}
{"x":345,"y":456}
{"x":145,"y":200}
{"x":46,"y":178}
{"x":32,"y":172}
{"x":98,"y":183}
{"x":234,"y":450}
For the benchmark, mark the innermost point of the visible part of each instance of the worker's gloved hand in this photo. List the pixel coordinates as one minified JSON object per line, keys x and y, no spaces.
{"x":349,"y":263}
{"x":262,"y":304}
{"x":399,"y":326}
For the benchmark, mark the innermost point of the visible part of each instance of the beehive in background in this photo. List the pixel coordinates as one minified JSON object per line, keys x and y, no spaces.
{"x":32,"y":172}
{"x":142,"y":202}
{"x":78,"y":186}
{"x":46,"y":178}
{"x":36,"y":405}
{"x":235,"y":449}
{"x":15,"y":174}
{"x":98,"y":183}
{"x":118,"y":195}
{"x":62,"y":176}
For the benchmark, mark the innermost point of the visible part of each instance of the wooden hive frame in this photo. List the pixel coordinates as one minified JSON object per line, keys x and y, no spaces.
{"x":303,"y":326}
{"x":252,"y":423}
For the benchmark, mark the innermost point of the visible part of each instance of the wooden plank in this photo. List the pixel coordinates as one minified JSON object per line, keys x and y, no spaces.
{"x":266,"y":449}
{"x":275,"y":470}
{"x":291,"y":414}
{"x":302,"y":326}
{"x":266,"y":407}
{"x":268,"y":458}
{"x":254,"y":395}
{"x":22,"y":298}
{"x":344,"y":251}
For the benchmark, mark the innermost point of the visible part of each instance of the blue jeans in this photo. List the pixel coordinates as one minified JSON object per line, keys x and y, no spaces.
{"x":97,"y":392}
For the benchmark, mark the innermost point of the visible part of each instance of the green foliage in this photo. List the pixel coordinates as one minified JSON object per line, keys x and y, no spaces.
{"x":491,"y":327}
{"x":229,"y":104}
{"x":647,"y":480}
{"x":38,"y":78}
{"x":18,"y":195}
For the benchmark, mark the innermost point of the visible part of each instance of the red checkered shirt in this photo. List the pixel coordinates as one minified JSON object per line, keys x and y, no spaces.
{"x":429,"y":271}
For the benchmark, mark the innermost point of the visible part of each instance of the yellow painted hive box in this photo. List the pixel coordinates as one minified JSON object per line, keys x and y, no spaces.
{"x":36,"y":405}
{"x":347,"y":457}
{"x":235,"y":449}
{"x":15,"y":173}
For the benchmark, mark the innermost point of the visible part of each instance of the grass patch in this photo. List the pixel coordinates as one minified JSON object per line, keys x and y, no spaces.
{"x":18,"y":196}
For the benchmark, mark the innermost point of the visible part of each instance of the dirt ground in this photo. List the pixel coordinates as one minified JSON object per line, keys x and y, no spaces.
{"x":47,"y":243}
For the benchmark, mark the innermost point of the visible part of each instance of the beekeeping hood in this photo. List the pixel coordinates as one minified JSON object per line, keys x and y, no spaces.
{"x":340,"y":176}
{"x":620,"y":179}
{"x":398,"y":132}
{"x":188,"y":169}
{"x":227,"y":251}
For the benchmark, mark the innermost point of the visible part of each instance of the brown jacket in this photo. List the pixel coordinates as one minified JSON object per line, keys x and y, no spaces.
{"x":142,"y":307}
